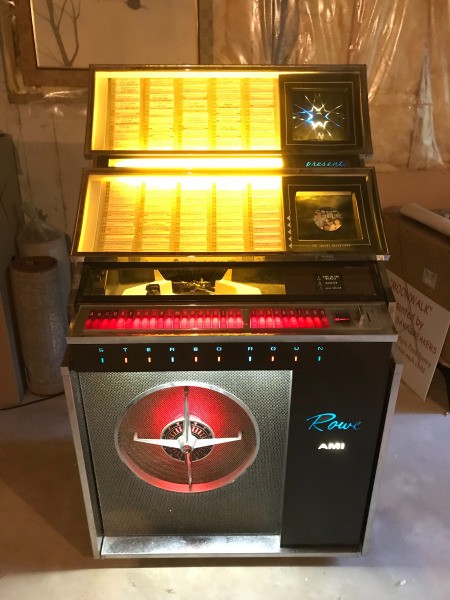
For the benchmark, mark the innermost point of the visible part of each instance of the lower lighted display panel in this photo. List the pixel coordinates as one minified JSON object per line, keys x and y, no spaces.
{"x":243,"y":459}
{"x":295,"y":210}
{"x":182,"y":214}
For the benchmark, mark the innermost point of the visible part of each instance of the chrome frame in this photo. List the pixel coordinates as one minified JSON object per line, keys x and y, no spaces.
{"x":95,"y":536}
{"x":395,"y":384}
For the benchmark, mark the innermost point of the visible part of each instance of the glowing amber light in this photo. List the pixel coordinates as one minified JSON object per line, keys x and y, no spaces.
{"x":203,"y":163}
{"x":176,"y":213}
{"x":170,"y":111}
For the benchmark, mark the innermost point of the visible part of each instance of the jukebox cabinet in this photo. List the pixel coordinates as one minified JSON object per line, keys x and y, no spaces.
{"x":229,"y":371}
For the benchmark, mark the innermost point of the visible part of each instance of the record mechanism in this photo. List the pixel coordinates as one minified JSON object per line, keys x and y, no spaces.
{"x":167,"y":287}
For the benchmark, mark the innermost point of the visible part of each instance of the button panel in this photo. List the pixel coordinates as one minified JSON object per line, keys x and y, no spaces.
{"x":165,"y":319}
{"x":209,"y":319}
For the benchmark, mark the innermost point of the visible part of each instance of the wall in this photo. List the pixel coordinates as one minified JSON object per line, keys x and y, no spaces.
{"x":49,"y":138}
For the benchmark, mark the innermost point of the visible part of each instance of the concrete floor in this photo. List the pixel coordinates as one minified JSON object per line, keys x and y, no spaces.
{"x":45,"y":551}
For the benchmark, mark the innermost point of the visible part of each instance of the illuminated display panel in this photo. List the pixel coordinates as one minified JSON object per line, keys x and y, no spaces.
{"x":185,"y":110}
{"x":324,"y":215}
{"x":325,"y":112}
{"x":201,"y":163}
{"x":320,"y":115}
{"x":137,"y":110}
{"x":335,"y":212}
{"x":175,"y":213}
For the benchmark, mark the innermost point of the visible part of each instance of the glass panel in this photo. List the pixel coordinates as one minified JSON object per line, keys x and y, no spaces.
{"x":327,"y":216}
{"x":172,"y":213}
{"x":299,"y":281}
{"x":320,"y":115}
{"x":172,"y":111}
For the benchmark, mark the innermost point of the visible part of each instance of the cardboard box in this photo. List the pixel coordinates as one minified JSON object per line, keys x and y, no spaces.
{"x":421,"y":257}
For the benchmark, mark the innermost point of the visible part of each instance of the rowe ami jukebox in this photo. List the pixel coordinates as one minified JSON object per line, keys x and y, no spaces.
{"x":229,"y":371}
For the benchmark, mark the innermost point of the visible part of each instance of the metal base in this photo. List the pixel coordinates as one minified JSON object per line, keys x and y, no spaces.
{"x":209,"y":546}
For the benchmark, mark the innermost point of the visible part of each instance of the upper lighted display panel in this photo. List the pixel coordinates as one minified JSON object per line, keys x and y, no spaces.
{"x":138,"y":110}
{"x":171,"y":111}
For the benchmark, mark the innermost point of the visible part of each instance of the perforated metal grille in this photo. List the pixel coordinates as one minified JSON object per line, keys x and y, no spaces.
{"x":131,"y":506}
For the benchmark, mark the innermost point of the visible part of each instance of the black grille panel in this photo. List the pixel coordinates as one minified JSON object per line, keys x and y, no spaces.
{"x":131,"y":506}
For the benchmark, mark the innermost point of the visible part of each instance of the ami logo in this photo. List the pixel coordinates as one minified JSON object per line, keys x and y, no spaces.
{"x":332,"y":446}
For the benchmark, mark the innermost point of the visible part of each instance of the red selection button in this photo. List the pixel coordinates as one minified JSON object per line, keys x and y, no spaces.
{"x":165,"y":319}
{"x":288,"y":318}
{"x":317,"y":322}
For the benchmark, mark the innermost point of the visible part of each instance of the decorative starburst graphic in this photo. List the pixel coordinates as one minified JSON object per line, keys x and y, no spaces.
{"x":314,"y":120}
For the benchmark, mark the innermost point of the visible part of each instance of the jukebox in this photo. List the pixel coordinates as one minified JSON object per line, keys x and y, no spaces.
{"x":229,"y":372}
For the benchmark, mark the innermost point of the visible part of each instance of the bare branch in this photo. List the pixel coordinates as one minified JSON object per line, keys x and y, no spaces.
{"x":75,"y":17}
{"x":56,"y":23}
{"x":61,"y":14}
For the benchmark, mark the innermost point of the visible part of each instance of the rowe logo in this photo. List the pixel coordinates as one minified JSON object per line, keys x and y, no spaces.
{"x":329,"y":421}
{"x":332,"y":446}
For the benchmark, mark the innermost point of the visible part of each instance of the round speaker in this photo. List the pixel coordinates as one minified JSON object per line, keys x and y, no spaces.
{"x":187,"y":437}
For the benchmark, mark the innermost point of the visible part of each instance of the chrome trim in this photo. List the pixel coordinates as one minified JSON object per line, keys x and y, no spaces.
{"x":95,"y":536}
{"x":214,"y":546}
{"x":232,"y":338}
{"x":395,"y":384}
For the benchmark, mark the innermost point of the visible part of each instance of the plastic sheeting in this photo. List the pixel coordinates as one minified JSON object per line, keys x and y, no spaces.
{"x":404,"y":44}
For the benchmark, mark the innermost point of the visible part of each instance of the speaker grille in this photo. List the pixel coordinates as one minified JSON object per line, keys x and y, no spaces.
{"x":185,"y":407}
{"x":130,"y":505}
